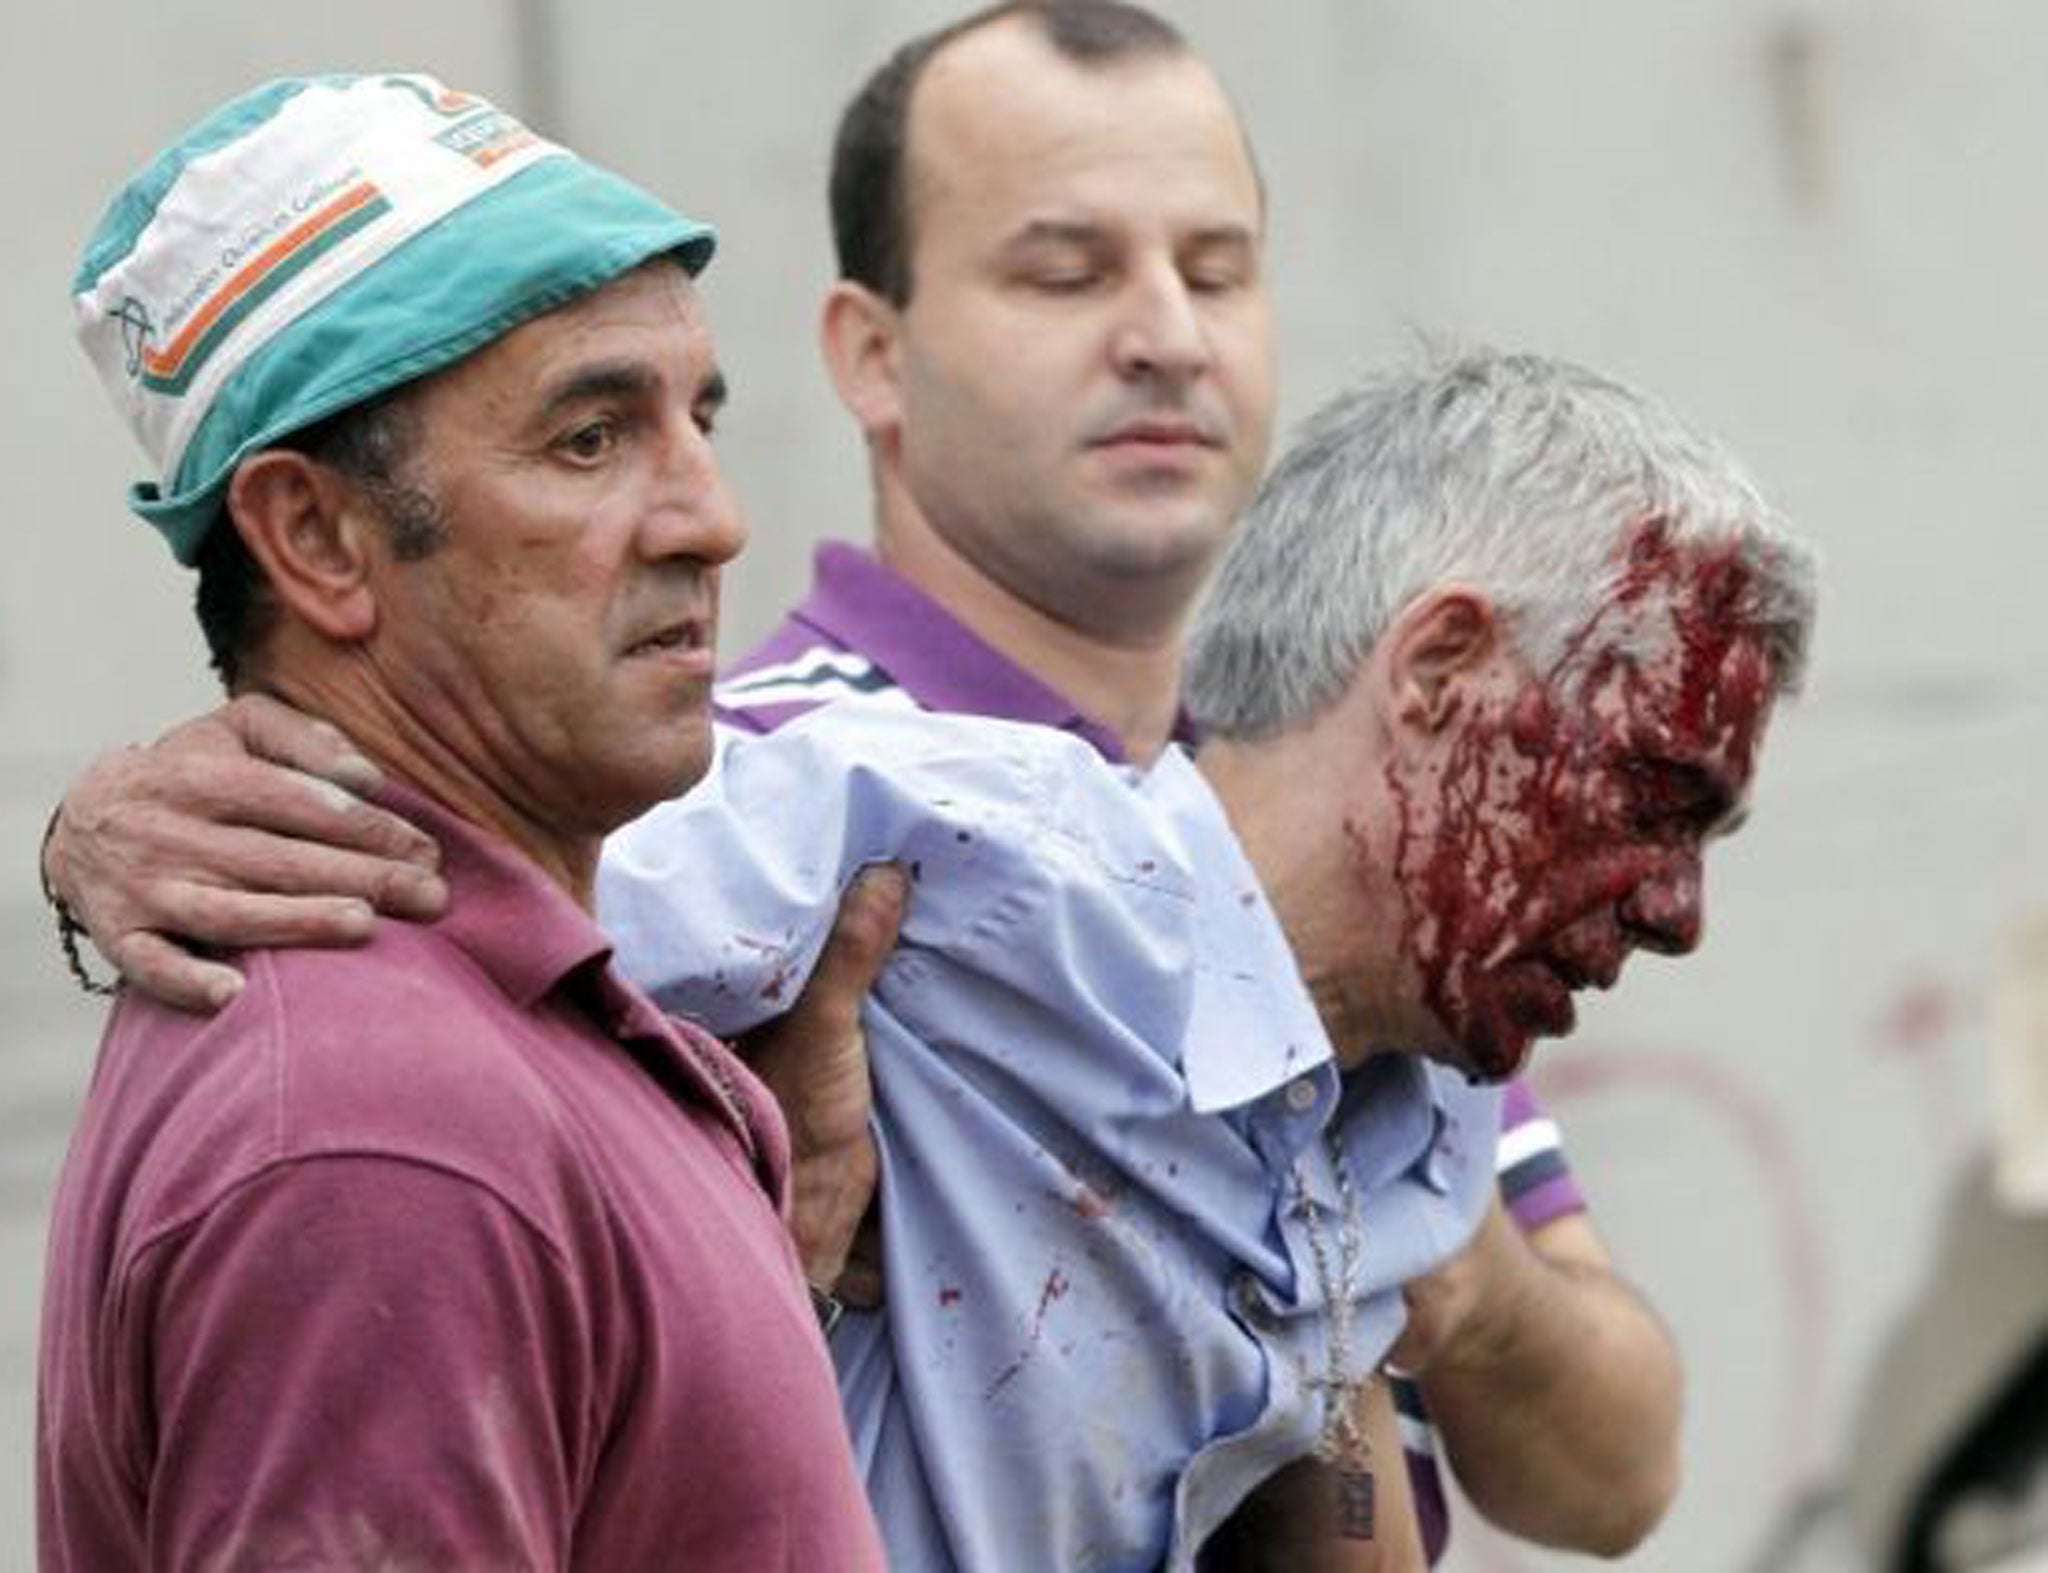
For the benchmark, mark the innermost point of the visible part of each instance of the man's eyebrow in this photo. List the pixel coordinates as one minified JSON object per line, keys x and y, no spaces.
{"x":1088,"y":232}
{"x":1225,"y":235}
{"x":1056,"y":232}
{"x":623,"y":379}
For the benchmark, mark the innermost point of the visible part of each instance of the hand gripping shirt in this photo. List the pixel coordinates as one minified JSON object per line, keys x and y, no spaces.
{"x":1108,"y":1120}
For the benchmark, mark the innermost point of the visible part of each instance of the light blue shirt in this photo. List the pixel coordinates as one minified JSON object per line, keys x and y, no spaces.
{"x":1101,"y":1092}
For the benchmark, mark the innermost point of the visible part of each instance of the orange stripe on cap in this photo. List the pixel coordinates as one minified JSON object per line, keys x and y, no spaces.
{"x":165,"y":363}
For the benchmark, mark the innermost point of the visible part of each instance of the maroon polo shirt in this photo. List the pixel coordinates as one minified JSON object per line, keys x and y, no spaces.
{"x":447,"y":1252}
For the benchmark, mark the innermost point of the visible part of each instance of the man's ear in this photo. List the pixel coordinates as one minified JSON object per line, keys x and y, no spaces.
{"x":310,"y":532}
{"x":1441,"y":642}
{"x":861,"y":335}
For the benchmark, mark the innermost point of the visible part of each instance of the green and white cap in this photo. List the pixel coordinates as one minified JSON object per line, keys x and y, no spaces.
{"x":320,"y":240}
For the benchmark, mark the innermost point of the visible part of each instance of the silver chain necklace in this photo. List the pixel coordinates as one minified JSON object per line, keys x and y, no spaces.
{"x":1342,"y":1446}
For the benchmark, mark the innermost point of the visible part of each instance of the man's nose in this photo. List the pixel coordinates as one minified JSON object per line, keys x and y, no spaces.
{"x":1666,"y":912}
{"x":693,"y":514}
{"x":1160,"y":332}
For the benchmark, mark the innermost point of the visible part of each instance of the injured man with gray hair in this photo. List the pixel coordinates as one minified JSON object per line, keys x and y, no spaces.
{"x":1179,"y":1077}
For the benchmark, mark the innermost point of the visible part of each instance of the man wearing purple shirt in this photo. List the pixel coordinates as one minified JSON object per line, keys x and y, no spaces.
{"x":449,"y":1251}
{"x":1052,"y":325}
{"x":1056,"y":342}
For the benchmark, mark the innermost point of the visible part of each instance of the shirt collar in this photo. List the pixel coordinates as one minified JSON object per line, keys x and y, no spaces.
{"x":860,"y":602}
{"x":1393,"y":1111}
{"x":1252,"y":1027}
{"x":521,"y":928}
{"x":528,"y":936}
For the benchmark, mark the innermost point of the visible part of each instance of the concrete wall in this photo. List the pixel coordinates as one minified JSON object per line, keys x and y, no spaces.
{"x":1816,"y":227}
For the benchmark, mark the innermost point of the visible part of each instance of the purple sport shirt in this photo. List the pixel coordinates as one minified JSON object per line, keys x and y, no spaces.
{"x":865,"y":631}
{"x":451,"y":1251}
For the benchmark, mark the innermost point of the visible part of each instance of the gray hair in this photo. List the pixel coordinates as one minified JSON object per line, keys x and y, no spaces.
{"x":1517,"y":475}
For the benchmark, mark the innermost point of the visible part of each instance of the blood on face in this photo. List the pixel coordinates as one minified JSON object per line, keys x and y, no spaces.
{"x":1563,"y":824}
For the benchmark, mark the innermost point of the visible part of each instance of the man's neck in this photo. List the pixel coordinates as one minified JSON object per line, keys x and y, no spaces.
{"x":422,"y":757}
{"x":1130,"y":687}
{"x":1317,"y":876}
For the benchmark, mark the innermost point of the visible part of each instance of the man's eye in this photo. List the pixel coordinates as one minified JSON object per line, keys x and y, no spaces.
{"x":706,"y":417}
{"x":1215,"y":280}
{"x":589,"y":442}
{"x":1070,"y":279}
{"x":1672,"y":795}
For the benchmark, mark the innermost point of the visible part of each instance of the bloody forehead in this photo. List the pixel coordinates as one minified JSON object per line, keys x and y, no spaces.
{"x":1681,"y":621}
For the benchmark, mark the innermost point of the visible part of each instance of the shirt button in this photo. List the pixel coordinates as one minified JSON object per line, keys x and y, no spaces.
{"x":1301,"y":1095}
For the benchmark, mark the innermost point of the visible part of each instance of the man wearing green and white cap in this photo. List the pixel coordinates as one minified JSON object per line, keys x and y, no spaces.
{"x":450,"y":1251}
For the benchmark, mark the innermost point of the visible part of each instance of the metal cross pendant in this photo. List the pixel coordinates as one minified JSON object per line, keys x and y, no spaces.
{"x":1354,"y":1501}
